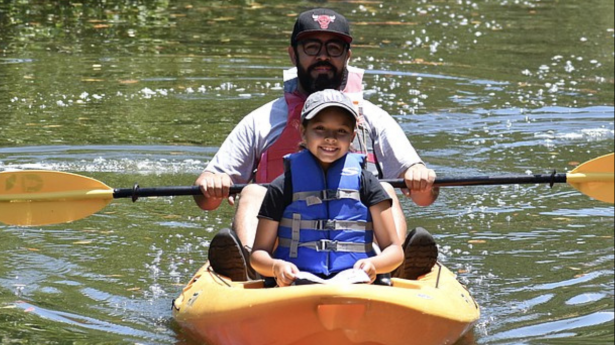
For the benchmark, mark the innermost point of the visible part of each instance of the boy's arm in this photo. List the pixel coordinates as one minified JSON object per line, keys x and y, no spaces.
{"x":261,"y":258}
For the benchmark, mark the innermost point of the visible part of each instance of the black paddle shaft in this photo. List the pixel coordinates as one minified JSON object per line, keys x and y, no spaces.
{"x":137,"y":192}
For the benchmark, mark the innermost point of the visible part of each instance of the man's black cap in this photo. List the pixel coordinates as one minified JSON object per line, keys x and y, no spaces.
{"x":321,"y":20}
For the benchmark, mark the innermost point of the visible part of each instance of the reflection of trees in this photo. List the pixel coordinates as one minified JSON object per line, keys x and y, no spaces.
{"x":51,"y":52}
{"x":135,"y":26}
{"x":35,"y":23}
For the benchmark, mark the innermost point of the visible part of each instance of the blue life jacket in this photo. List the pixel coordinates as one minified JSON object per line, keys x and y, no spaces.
{"x":326,"y":228}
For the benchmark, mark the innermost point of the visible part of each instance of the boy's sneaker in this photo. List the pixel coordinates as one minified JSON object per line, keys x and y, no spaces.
{"x":228,"y":257}
{"x":420,"y":255}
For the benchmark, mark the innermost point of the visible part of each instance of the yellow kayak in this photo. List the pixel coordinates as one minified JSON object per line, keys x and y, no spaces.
{"x":434,"y":310}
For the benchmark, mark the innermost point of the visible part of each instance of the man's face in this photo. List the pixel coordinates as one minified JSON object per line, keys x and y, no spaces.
{"x":318,"y":69}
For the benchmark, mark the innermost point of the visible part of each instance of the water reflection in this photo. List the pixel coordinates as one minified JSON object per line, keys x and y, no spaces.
{"x":128,"y":92}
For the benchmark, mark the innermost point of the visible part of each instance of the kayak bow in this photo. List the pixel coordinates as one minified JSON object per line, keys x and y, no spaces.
{"x":434,"y":310}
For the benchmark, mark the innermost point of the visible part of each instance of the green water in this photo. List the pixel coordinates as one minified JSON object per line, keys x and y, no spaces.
{"x":146,"y":91}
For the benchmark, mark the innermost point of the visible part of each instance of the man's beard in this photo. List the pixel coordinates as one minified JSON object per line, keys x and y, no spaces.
{"x":323,"y":81}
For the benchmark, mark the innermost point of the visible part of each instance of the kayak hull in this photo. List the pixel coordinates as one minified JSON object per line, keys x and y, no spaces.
{"x":434,"y":310}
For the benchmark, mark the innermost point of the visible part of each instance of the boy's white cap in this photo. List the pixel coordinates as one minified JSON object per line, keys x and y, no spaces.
{"x":325,"y":99}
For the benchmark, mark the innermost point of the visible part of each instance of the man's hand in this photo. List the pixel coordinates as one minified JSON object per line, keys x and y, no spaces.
{"x":215,"y":188}
{"x":419,"y":182}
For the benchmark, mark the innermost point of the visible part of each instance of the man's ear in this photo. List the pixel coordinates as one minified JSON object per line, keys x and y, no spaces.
{"x":349,"y":56}
{"x":292,"y":55}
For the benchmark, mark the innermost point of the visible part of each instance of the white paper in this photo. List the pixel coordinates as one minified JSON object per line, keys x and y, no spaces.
{"x":349,"y":276}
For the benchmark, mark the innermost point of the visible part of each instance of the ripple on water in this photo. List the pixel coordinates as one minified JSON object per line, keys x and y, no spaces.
{"x":564,"y":327}
{"x":586,"y":298}
{"x":582,"y":212}
{"x":108,"y":158}
{"x":86,"y":322}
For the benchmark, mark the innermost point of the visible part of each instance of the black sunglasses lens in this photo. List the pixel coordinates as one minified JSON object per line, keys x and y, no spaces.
{"x":333,"y":48}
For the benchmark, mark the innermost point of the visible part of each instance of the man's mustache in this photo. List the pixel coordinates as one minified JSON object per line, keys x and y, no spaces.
{"x":321,"y":64}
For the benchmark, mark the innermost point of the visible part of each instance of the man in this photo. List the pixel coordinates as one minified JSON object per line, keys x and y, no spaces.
{"x":320,"y":51}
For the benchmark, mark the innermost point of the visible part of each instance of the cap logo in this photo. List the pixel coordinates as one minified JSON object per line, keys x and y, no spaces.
{"x":323,"y":20}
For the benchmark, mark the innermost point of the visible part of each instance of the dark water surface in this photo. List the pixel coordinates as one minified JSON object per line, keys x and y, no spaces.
{"x":145,"y":91}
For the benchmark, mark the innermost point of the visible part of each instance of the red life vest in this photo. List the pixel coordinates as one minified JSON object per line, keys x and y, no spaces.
{"x":271,"y":163}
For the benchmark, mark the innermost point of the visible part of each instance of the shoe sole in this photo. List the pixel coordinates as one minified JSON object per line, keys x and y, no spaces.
{"x":421,"y":254}
{"x":226,"y":256}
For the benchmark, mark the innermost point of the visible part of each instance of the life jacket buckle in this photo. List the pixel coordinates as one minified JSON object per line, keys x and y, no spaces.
{"x":326,"y":245}
{"x":330,"y":194}
{"x":326,"y":224}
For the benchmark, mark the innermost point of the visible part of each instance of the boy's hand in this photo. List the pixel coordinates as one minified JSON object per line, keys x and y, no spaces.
{"x":367,"y":266}
{"x":284,"y":272}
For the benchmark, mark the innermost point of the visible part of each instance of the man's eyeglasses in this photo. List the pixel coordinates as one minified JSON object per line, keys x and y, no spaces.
{"x":334,"y":48}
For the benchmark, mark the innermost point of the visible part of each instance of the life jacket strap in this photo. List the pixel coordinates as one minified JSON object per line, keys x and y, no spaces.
{"x":325,"y":225}
{"x":331,"y":246}
{"x":317,"y":197}
{"x":296,"y":235}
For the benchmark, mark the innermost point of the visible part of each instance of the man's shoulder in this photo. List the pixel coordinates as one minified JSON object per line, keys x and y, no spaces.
{"x":278,"y":105}
{"x":370,"y":108}
{"x":375,"y":117}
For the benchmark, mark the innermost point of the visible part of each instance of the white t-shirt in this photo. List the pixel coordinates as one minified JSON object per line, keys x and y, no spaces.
{"x":240,"y":153}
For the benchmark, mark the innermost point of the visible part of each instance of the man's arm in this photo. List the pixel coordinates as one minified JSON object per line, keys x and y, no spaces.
{"x":398,"y":157}
{"x":393,"y":150}
{"x":233,"y":163}
{"x":236,"y":159}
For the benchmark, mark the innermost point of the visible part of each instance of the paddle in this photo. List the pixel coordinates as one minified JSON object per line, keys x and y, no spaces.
{"x":36,"y":197}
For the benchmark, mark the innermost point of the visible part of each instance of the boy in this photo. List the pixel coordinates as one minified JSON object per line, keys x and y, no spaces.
{"x":326,"y":210}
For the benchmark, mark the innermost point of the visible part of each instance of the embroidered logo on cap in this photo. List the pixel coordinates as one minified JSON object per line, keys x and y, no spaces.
{"x":323,"y":20}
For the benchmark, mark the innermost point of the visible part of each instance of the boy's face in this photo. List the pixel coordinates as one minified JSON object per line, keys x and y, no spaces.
{"x":329,"y":134}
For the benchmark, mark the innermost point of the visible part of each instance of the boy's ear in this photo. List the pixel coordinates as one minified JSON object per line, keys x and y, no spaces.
{"x":303,"y":143}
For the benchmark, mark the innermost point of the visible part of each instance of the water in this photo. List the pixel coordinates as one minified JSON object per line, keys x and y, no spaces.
{"x":135,"y":92}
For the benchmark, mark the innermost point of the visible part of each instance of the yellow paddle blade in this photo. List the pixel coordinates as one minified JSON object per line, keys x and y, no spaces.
{"x":34,"y":197}
{"x":594,"y":178}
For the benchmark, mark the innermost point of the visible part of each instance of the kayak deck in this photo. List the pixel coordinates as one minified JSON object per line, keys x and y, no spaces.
{"x":434,"y":310}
